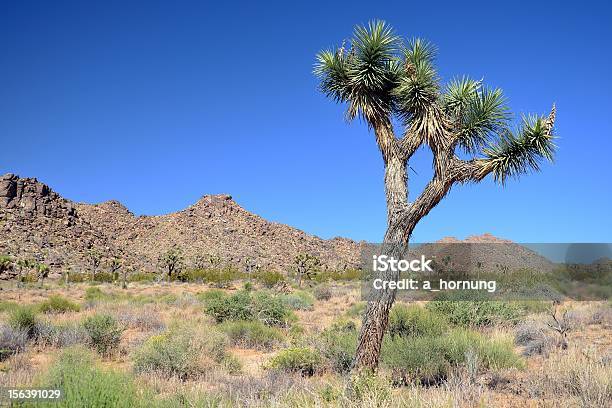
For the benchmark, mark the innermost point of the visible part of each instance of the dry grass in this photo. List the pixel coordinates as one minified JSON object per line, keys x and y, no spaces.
{"x":579,"y":376}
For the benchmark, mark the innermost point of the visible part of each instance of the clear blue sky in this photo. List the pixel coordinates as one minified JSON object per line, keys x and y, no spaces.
{"x":157,"y":103}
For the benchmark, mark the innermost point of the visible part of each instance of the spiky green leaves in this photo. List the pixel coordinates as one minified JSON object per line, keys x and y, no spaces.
{"x":477,"y":114}
{"x":519,"y":153}
{"x":364,"y":76}
{"x":418,"y":89}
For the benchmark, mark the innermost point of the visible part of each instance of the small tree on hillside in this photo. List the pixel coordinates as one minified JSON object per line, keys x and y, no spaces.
{"x":26,"y":265}
{"x":383,"y":79}
{"x":171,"y":261}
{"x":115,"y":264}
{"x":249,"y":266}
{"x":94,"y":258}
{"x":43,"y":273}
{"x":214,"y":261}
{"x":306,"y":266}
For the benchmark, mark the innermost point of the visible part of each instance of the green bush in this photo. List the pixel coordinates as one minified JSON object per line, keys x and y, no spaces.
{"x":338,"y":345}
{"x":141,"y":277}
{"x":106,"y":277}
{"x":234,"y":307}
{"x":94,"y":293}
{"x":271,"y":310}
{"x":252,"y":334}
{"x":244,"y":305}
{"x":8,"y":306}
{"x":269,"y":278}
{"x":297,"y":360}
{"x":83,"y":384}
{"x":210,"y":295}
{"x":24,"y":318}
{"x":218,"y":277}
{"x":414,"y":320}
{"x":181,"y":352}
{"x":298,"y":300}
{"x":104,"y":332}
{"x":58,"y":304}
{"x":473,"y":313}
{"x":428,"y":359}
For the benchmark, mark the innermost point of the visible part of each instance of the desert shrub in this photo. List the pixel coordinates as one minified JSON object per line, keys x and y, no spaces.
{"x":246,"y":306}
{"x":535,"y":337}
{"x":141,"y":319}
{"x":105,"y":277}
{"x":24,"y":318}
{"x":104,"y":332}
{"x":297,"y":360}
{"x":219,"y":277}
{"x":248,"y":286}
{"x":58,"y":304}
{"x":415,"y":359}
{"x":141,"y":277}
{"x":337,"y":345}
{"x":339,"y":275}
{"x":252,"y":334}
{"x":270,"y":309}
{"x":210,"y":295}
{"x":323,"y":292}
{"x":12,"y":341}
{"x":182,"y":352}
{"x":94,"y":293}
{"x":60,"y":335}
{"x":298,"y":300}
{"x":414,"y":320}
{"x":472,"y":313}
{"x":369,"y":389}
{"x":356,"y":310}
{"x":580,"y":375}
{"x":8,"y":306}
{"x":428,"y":359}
{"x":269,"y":278}
{"x":85,"y":385}
{"x":75,"y":277}
{"x":234,"y":307}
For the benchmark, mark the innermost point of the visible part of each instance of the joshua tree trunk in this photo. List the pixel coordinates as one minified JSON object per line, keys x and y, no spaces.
{"x":395,"y":244}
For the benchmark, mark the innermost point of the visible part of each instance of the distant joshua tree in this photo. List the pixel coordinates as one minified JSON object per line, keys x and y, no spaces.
{"x":24,"y":264}
{"x":384,"y":80}
{"x":95,"y":258}
{"x":115,"y":264}
{"x":171,"y":261}
{"x":249,"y":266}
{"x":306,"y":266}
{"x":6,"y":263}
{"x":43,"y":273}
{"x":214,"y":261}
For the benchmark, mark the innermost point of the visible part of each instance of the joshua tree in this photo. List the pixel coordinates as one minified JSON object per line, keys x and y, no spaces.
{"x":43,"y":272}
{"x":171,"y":261}
{"x":115,"y":265}
{"x":383,"y":79}
{"x":23,"y":264}
{"x":306,"y":265}
{"x":249,"y":266}
{"x":95,"y":258}
{"x":6,"y":263}
{"x":214,"y":261}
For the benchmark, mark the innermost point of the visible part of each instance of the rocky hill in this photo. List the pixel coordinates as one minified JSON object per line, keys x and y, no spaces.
{"x":37,"y":223}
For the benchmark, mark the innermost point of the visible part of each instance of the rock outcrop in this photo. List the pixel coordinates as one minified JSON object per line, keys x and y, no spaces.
{"x":37,"y":223}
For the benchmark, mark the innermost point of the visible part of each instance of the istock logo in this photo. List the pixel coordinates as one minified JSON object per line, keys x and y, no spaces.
{"x":384,"y":263}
